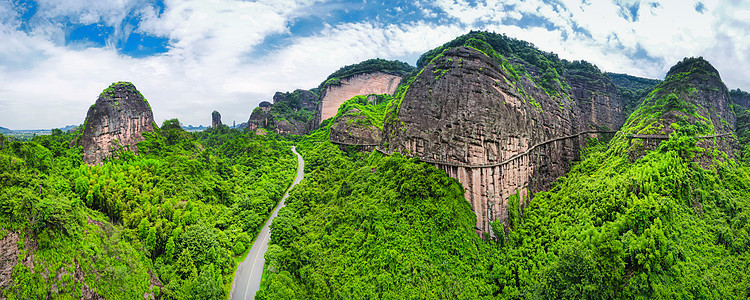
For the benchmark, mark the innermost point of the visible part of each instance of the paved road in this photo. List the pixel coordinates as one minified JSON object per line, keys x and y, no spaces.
{"x":247,"y":279}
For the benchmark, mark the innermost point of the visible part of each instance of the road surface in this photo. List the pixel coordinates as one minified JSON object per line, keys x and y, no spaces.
{"x":247,"y":279}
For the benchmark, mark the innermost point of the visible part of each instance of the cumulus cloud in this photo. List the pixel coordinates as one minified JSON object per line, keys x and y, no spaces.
{"x":211,"y":61}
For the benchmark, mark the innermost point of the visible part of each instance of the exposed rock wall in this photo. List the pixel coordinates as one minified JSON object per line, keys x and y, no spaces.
{"x":118,"y":118}
{"x":361,"y":84}
{"x":467,"y":116}
{"x":215,"y":119}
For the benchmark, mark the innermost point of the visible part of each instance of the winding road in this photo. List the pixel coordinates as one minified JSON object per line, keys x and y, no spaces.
{"x":247,"y":278}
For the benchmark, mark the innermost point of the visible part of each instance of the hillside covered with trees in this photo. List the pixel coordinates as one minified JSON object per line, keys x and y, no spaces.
{"x":170,"y":222}
{"x":369,"y":225}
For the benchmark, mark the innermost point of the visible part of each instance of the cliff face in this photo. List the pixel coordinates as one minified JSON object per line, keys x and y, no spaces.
{"x":215,"y":119}
{"x":740,"y":98}
{"x":334,"y":95}
{"x":118,"y":117}
{"x":498,"y":133}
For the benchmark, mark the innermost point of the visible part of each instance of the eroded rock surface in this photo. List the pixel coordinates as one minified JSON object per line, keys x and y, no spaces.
{"x":8,"y":258}
{"x":471,"y":118}
{"x":215,"y":119}
{"x":360,"y":84}
{"x":118,"y":118}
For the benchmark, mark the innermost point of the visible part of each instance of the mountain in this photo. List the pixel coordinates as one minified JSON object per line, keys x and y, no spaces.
{"x":117,"y":119}
{"x":300,"y":111}
{"x":290,"y":113}
{"x":501,"y":117}
{"x":215,"y":119}
{"x":692,"y":100}
{"x":658,"y":208}
{"x":5,"y":130}
{"x":374,"y":76}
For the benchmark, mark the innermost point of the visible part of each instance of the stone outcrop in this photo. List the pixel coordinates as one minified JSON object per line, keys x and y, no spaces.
{"x":117,"y":119}
{"x":215,"y":119}
{"x":281,"y":116}
{"x":8,"y":258}
{"x":333,"y":95}
{"x":498,"y":134}
{"x":354,"y":128}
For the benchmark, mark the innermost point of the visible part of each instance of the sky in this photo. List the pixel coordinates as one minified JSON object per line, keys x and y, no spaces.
{"x":189,"y":58}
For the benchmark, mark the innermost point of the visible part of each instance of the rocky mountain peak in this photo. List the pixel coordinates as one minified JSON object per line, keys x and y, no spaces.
{"x":693,"y":65}
{"x":215,"y":119}
{"x":692,"y":100}
{"x":116,"y":119}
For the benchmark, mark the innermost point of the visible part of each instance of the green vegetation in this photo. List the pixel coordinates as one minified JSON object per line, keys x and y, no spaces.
{"x":169,"y":220}
{"x":292,"y":108}
{"x":369,"y":226}
{"x":632,"y":89}
{"x":667,"y":102}
{"x":374,"y":113}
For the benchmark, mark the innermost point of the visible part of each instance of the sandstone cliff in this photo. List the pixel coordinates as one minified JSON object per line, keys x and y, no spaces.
{"x":740,"y":98}
{"x":215,"y":119}
{"x":495,"y":129}
{"x":118,"y":118}
{"x":334,"y":95}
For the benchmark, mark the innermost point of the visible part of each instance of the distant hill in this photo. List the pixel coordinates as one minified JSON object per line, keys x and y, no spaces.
{"x":69,"y":128}
{"x":5,"y":130}
{"x":194,"y":128}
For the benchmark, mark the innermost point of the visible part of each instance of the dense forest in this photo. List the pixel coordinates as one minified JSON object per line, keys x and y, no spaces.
{"x":171,"y":221}
{"x":669,"y":223}
{"x":370,"y":226}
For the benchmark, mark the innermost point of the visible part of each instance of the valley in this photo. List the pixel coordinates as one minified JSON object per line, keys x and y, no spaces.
{"x":491,"y":170}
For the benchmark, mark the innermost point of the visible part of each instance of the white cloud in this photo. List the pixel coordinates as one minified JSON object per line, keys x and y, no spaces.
{"x":208,"y":66}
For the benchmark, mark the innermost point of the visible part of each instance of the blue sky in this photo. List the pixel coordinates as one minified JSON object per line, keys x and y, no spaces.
{"x":192,"y":57}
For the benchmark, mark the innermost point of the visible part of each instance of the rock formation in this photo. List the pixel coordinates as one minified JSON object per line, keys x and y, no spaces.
{"x":215,"y":119}
{"x":334,"y":95}
{"x":496,"y":132}
{"x":358,"y":122}
{"x":692,"y":94}
{"x":290,"y":113}
{"x":117,"y":119}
